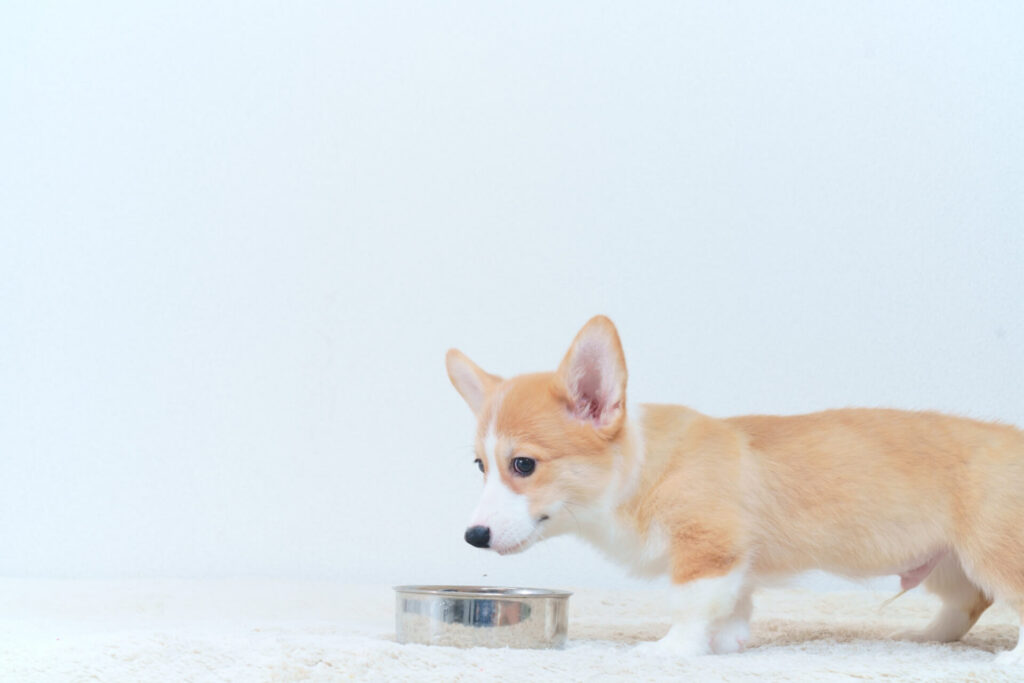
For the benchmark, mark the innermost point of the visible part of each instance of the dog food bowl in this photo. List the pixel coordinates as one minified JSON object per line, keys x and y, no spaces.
{"x":481,"y":616}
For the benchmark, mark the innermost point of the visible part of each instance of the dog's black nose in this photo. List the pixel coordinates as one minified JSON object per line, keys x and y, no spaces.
{"x":480,"y":536}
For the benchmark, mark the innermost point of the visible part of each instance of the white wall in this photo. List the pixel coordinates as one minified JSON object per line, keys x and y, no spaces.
{"x":236,"y":242}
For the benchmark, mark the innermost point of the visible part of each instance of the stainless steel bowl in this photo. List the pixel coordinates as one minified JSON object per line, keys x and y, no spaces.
{"x":481,"y":616}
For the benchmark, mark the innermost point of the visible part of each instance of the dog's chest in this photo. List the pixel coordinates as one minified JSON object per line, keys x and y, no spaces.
{"x":644,"y":554}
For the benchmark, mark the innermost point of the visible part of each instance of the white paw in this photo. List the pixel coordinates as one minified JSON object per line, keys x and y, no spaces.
{"x":932,"y":634}
{"x":672,"y":645}
{"x":948,"y":626}
{"x":732,"y":637}
{"x":1011,"y":658}
{"x":916,"y":636}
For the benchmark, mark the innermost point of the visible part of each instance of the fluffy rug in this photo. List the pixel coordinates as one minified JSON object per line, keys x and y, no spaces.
{"x":275,"y":631}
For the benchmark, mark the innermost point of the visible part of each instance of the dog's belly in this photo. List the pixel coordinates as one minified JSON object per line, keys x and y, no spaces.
{"x":912,"y":569}
{"x":912,"y":572}
{"x":863,"y":549}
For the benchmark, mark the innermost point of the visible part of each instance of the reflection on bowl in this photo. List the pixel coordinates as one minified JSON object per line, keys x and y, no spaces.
{"x":481,"y":616}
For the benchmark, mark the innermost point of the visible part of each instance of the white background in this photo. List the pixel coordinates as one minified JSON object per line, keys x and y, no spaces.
{"x":236,"y":241}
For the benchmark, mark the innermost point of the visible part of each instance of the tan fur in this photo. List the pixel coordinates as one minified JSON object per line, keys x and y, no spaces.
{"x":533,"y":417}
{"x":857,"y":492}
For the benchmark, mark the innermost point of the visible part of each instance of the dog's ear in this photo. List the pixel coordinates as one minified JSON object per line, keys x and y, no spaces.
{"x":468,"y":379}
{"x":592,"y":377}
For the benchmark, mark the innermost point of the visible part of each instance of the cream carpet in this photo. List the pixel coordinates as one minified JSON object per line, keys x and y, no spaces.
{"x":287,"y":631}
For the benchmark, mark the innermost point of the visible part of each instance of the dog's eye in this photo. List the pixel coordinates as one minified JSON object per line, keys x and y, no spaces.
{"x":523,"y":466}
{"x":480,"y":464}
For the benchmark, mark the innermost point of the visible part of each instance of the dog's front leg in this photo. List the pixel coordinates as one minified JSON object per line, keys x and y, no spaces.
{"x":697,"y":605}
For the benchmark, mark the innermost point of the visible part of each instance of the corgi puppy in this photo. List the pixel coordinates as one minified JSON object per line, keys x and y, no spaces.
{"x":721,"y":505}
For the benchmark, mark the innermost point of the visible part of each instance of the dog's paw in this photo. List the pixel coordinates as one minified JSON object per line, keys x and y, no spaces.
{"x":941,"y":632}
{"x":731,"y":638}
{"x":673,"y":646}
{"x":1011,"y":658}
{"x":652,"y":648}
{"x":948,"y":626}
{"x":912,"y":635}
{"x":661,"y":649}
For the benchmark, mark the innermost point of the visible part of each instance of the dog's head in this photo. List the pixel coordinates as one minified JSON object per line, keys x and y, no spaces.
{"x":545,"y":442}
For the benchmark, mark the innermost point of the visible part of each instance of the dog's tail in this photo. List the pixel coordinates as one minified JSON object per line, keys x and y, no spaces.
{"x":892,"y":599}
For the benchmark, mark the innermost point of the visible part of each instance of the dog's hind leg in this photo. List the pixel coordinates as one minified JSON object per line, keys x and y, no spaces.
{"x":962,"y":603}
{"x":1015,"y":657}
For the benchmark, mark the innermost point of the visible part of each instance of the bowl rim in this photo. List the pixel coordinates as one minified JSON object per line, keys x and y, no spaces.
{"x":483,"y":592}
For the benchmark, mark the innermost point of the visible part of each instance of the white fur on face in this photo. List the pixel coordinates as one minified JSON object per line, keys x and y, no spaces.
{"x":505,"y":512}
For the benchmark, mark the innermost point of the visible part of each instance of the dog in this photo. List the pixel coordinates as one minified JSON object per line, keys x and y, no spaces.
{"x":724,"y":505}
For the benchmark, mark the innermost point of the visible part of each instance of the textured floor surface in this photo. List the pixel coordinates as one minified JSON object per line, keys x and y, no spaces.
{"x":288,"y":631}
